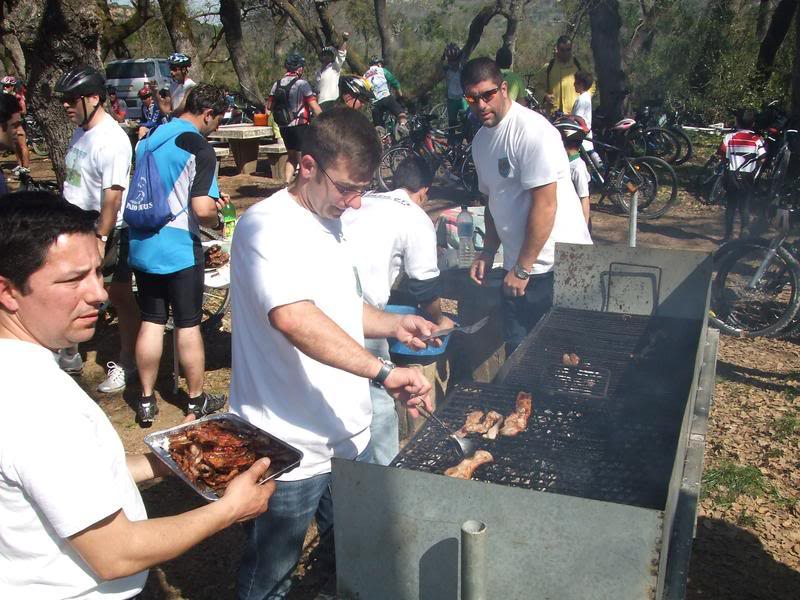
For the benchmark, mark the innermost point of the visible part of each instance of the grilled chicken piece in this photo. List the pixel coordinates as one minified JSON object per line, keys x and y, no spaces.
{"x":466,"y":468}
{"x":517,"y":421}
{"x":570,"y":360}
{"x":472,"y":424}
{"x":494,"y":429}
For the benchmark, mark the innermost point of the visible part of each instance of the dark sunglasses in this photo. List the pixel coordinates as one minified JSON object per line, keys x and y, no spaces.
{"x":71,"y":100}
{"x":485,"y":96}
{"x":343,"y":190}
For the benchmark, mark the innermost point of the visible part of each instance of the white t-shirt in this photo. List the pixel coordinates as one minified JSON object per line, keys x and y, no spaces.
{"x":583,"y":108}
{"x":579,"y":175}
{"x":522,"y":152}
{"x":282,"y":253}
{"x":177,"y":91}
{"x":96,"y":160}
{"x":62,"y":469}
{"x":388,"y":233}
{"x":328,"y":78}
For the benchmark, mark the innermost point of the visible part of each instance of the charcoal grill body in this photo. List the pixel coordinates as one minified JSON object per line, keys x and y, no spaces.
{"x":597,"y":499}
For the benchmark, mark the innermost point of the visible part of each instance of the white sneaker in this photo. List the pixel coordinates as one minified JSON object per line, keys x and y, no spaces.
{"x":70,"y":363}
{"x":116,"y":379}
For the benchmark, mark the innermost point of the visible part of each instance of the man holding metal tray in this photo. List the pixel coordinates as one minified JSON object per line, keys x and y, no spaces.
{"x":72,"y":521}
{"x":300,"y":370}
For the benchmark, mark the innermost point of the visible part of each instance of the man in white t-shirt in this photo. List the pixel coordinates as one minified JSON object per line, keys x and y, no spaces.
{"x":300,"y":370}
{"x":523,"y":169}
{"x":172,"y":104}
{"x":391,"y":233}
{"x":72,"y":522}
{"x":98,"y":165}
{"x":331,"y":61}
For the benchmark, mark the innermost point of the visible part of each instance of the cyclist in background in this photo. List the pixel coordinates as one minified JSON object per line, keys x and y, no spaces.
{"x":117,"y":107}
{"x":382,"y":80}
{"x":170,"y":102}
{"x":354,"y":91}
{"x":557,"y":78}
{"x":12,"y":86}
{"x":151,"y":115}
{"x":516,"y":87}
{"x":331,"y":59}
{"x":10,"y":126}
{"x":456,"y":105}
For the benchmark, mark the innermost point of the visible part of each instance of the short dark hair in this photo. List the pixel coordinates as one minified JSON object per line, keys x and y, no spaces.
{"x":585,"y":78}
{"x":480,"y":69}
{"x":344,"y":133}
{"x":204,"y":96}
{"x":30,"y":222}
{"x":8,"y":106}
{"x":503,"y":57}
{"x":746,"y":118}
{"x":563,"y":39}
{"x":413,"y":173}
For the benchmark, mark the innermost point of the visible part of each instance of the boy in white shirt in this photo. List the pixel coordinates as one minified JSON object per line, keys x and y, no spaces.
{"x":583,"y":109}
{"x":573,"y":132}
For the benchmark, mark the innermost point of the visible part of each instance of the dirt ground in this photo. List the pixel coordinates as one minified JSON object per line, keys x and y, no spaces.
{"x":748,"y":530}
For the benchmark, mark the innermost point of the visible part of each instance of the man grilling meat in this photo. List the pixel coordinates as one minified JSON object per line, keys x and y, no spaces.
{"x":300,"y":370}
{"x":72,"y":522}
{"x":523,"y":168}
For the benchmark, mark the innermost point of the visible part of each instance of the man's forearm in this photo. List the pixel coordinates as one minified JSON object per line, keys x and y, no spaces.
{"x":378,"y":323}
{"x":109,"y":209}
{"x":144,"y":467}
{"x":491,"y":240}
{"x":541,"y":217}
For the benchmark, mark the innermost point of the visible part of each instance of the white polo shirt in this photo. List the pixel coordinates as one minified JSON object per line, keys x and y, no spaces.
{"x":281,"y":254}
{"x":62,"y":469}
{"x":524,"y":151}
{"x":389,"y":233}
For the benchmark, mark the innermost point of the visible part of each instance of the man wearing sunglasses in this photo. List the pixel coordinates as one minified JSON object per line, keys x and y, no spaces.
{"x":524,"y":170}
{"x":300,"y":370}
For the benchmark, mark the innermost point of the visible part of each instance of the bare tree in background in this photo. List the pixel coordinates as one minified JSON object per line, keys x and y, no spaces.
{"x":180,"y":33}
{"x":230,"y":13}
{"x":771,"y":42}
{"x":605,"y":25}
{"x":13,"y":57}
{"x":115,"y":34}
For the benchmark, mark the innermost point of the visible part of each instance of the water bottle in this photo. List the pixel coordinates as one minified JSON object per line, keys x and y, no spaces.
{"x":466,"y":229}
{"x":228,"y":220}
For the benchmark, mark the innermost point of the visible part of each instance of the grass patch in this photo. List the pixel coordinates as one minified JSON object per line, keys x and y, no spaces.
{"x":786,"y":426}
{"x":727,"y":481}
{"x":773,"y":453}
{"x":745,"y":519}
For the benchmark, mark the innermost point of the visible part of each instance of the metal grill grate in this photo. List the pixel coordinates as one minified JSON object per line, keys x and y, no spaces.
{"x":606,"y":429}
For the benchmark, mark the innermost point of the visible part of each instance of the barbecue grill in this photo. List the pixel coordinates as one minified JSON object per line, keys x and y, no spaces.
{"x":597,"y":498}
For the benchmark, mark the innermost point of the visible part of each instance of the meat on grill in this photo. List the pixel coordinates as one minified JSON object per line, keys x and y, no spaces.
{"x":466,"y":468}
{"x":478,"y":422}
{"x":570,"y":360}
{"x":492,"y":432}
{"x":517,"y":421}
{"x":216,"y":257}
{"x":211,"y":454}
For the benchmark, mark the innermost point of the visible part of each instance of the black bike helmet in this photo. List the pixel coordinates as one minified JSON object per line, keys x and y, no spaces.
{"x":572,"y":128}
{"x":452,"y":51}
{"x":294,"y":61}
{"x":111,"y":90}
{"x":179,"y":59}
{"x":375,"y":60}
{"x":327,"y":53}
{"x":82,"y":80}
{"x":357,"y":87}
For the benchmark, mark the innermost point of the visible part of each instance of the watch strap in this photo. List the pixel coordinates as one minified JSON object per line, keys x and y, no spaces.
{"x":520,"y":272}
{"x":386,"y":368}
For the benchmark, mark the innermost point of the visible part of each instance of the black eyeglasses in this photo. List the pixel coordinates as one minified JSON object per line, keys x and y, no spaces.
{"x":485,"y":96}
{"x":71,"y":100}
{"x":343,"y":190}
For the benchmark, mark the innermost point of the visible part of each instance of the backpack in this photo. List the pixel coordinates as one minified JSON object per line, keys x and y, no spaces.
{"x":147,"y":205}
{"x":281,"y":110}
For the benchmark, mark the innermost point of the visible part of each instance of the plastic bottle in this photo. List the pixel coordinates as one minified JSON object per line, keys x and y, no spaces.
{"x":228,"y":220}
{"x":466,"y":229}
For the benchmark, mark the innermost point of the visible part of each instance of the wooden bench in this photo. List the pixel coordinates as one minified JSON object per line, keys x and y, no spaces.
{"x":277,"y":156}
{"x":221,"y":152}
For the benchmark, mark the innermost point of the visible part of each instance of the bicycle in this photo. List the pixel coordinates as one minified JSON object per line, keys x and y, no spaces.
{"x":34,"y":135}
{"x":29,"y":184}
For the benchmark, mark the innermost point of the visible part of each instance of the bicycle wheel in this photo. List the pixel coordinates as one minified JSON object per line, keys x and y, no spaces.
{"x":662,"y":143}
{"x":468,"y":174}
{"x":779,"y":170}
{"x":717,"y":193}
{"x":704,"y":181}
{"x":389,"y":161}
{"x":654,"y":182}
{"x":216,"y":299}
{"x":745,"y":303}
{"x":39,"y":147}
{"x":687,"y":149}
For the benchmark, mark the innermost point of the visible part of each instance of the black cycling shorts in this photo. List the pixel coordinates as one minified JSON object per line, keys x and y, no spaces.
{"x":181,"y":291}
{"x":115,"y":262}
{"x":293,"y":136}
{"x":384,"y":105}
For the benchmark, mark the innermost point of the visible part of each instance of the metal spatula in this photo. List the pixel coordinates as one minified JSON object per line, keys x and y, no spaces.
{"x":466,"y":329}
{"x":466,"y":446}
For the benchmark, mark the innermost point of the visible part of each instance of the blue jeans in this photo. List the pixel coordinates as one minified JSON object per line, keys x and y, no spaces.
{"x":521,"y":313}
{"x":275,"y":539}
{"x":384,"y":431}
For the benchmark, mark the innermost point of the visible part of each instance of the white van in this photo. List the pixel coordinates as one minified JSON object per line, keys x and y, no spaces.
{"x":129,"y":75}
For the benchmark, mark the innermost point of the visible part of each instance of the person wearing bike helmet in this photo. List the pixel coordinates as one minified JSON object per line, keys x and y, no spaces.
{"x":523,"y":169}
{"x":151,"y":115}
{"x":98,"y":165}
{"x":171,"y":104}
{"x":291,"y":103}
{"x":117,"y":107}
{"x":10,"y":126}
{"x":573,"y":131}
{"x":11,"y":86}
{"x":383,"y":81}
{"x":456,"y":105}
{"x":354,"y":91}
{"x":331,"y":61}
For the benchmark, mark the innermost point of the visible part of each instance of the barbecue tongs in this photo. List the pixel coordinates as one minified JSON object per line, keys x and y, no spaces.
{"x":465,"y":446}
{"x":466,"y":329}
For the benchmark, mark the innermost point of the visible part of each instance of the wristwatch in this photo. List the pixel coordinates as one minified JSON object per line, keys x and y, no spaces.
{"x":102,"y":238}
{"x":520,"y":272}
{"x":386,"y":368}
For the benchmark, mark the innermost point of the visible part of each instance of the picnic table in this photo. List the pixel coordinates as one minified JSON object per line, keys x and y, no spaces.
{"x":243,"y":141}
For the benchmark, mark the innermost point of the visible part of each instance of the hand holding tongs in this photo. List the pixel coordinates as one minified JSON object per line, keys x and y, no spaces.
{"x":466,"y":329}
{"x":466,"y":446}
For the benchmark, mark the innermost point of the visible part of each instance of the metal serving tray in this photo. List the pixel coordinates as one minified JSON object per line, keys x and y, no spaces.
{"x":283,"y":457}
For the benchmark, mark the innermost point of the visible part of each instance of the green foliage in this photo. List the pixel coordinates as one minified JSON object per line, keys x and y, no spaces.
{"x":728,"y":481}
{"x":787,"y":426}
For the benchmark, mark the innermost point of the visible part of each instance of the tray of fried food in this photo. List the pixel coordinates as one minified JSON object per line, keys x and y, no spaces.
{"x":215,"y":256}
{"x":210,"y":452}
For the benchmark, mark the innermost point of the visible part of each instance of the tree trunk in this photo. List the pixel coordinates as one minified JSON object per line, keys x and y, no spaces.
{"x":513,"y":16}
{"x":55,"y":35}
{"x":230,"y":13}
{"x":283,"y":41}
{"x":115,"y":34}
{"x":180,"y":33}
{"x":776,"y":32}
{"x":761,"y":19}
{"x":16,"y":58}
{"x":388,"y":43}
{"x":796,"y":70}
{"x":643,"y":34}
{"x":605,"y":24}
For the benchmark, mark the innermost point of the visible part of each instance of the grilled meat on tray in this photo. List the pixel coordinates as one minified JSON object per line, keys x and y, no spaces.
{"x":517,"y":421}
{"x":466,"y":468}
{"x":216,"y":257}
